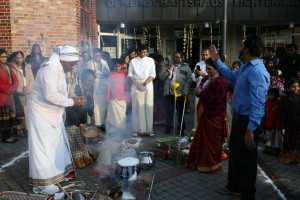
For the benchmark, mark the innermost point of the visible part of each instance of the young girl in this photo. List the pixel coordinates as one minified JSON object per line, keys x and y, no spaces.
{"x":26,"y":80}
{"x":289,"y":113}
{"x":276,"y":81}
{"x":273,"y":123}
{"x":117,"y":99}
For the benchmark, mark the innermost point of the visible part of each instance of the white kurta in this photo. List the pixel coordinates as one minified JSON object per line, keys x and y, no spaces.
{"x":142,"y":102}
{"x":49,"y":153}
{"x":100,"y":86}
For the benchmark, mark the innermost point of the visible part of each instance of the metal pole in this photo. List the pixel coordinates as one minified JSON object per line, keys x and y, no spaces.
{"x":224,"y":32}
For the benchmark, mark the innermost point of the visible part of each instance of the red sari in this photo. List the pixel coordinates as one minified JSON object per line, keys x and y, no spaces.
{"x":206,"y":150}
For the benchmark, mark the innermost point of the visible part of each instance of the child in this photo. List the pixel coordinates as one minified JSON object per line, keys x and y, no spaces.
{"x":117,"y":99}
{"x":289,"y":113}
{"x":276,"y":81}
{"x":272,"y":123}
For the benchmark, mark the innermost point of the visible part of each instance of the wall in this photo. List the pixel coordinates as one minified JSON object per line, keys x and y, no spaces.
{"x":48,"y":23}
{"x":5,"y":25}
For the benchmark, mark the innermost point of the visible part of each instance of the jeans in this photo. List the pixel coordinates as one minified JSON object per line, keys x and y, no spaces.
{"x":242,"y":169}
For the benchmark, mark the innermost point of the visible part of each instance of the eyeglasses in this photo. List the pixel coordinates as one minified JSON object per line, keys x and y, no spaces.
{"x":176,"y":57}
{"x":3,"y":56}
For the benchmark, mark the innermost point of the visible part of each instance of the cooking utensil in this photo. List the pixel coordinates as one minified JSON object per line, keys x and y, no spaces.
{"x":91,"y":135}
{"x":146,"y":160}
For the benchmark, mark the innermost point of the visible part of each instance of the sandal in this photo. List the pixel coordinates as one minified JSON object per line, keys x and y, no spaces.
{"x":10,"y":140}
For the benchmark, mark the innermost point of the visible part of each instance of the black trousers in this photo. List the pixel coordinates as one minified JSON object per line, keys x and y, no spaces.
{"x":242,"y":169}
{"x":170,"y":103}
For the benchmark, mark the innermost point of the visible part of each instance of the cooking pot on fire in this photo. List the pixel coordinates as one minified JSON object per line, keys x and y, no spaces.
{"x":127,"y":167}
{"x":146,"y":160}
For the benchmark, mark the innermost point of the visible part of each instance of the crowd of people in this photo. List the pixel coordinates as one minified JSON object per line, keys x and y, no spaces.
{"x":53,"y":100}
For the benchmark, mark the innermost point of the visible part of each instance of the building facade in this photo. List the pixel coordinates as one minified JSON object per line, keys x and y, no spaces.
{"x":188,"y":25}
{"x":47,"y":22}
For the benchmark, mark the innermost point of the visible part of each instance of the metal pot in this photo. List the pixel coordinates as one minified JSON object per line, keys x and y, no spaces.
{"x":76,"y":195}
{"x":146,"y":160}
{"x":127,"y":167}
{"x":91,"y":135}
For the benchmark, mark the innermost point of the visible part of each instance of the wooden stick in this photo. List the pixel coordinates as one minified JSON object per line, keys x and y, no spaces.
{"x":64,"y":191}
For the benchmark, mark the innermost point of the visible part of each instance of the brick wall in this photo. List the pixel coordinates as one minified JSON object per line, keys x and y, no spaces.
{"x":5,"y":26}
{"x":47,"y":22}
{"x":94,"y":25}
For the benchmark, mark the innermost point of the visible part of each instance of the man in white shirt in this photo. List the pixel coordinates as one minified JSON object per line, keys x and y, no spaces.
{"x":49,"y":153}
{"x":199,"y":73}
{"x":141,"y":73}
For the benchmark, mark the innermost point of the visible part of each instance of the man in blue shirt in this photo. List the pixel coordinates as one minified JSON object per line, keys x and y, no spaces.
{"x":251,"y":83}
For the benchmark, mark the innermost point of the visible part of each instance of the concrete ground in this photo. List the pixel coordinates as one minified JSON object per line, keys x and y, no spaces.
{"x":172,"y":181}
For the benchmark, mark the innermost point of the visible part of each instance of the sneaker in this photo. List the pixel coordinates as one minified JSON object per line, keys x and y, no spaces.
{"x":70,"y":176}
{"x":225,"y":190}
{"x":49,"y":189}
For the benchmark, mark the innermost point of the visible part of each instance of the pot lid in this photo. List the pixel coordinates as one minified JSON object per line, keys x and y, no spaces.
{"x":128,"y":161}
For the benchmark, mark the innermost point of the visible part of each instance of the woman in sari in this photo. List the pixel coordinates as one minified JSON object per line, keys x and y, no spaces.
{"x":206,"y":150}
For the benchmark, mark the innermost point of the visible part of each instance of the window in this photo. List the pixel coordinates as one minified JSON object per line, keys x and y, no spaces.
{"x":85,"y":19}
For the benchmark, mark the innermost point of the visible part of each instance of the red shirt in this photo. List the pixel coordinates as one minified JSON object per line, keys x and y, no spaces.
{"x":117,"y":86}
{"x":272,"y":118}
{"x":6,"y":87}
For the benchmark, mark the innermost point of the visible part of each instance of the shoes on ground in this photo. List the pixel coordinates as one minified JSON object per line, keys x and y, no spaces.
{"x":49,"y":189}
{"x":10,"y":140}
{"x":225,"y":190}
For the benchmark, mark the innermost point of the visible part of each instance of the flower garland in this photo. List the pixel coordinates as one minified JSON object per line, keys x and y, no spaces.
{"x":101,"y":38}
{"x":136,"y":45}
{"x":145,"y":31}
{"x":219,"y":38}
{"x":158,"y":40}
{"x":211,"y":32}
{"x":244,"y":32}
{"x":184,"y":39}
{"x":191,"y":33}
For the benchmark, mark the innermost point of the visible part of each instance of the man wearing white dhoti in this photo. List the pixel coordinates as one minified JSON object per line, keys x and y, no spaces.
{"x":141,"y":73}
{"x":49,"y":153}
{"x":101,"y":69}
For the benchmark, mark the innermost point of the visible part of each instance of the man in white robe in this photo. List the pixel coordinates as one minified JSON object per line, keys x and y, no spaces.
{"x":101,"y":69}
{"x":50,"y":158}
{"x":141,"y":73}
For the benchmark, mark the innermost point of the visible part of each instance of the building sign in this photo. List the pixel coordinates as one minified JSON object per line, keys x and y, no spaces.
{"x":201,"y":3}
{"x":111,"y":50}
{"x":267,"y":3}
{"x":155,"y":11}
{"x":164,"y":3}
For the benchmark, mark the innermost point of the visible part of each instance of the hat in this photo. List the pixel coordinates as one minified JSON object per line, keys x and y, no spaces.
{"x":68,"y":53}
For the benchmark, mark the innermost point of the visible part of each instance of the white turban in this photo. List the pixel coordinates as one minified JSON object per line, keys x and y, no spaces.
{"x":68,"y":53}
